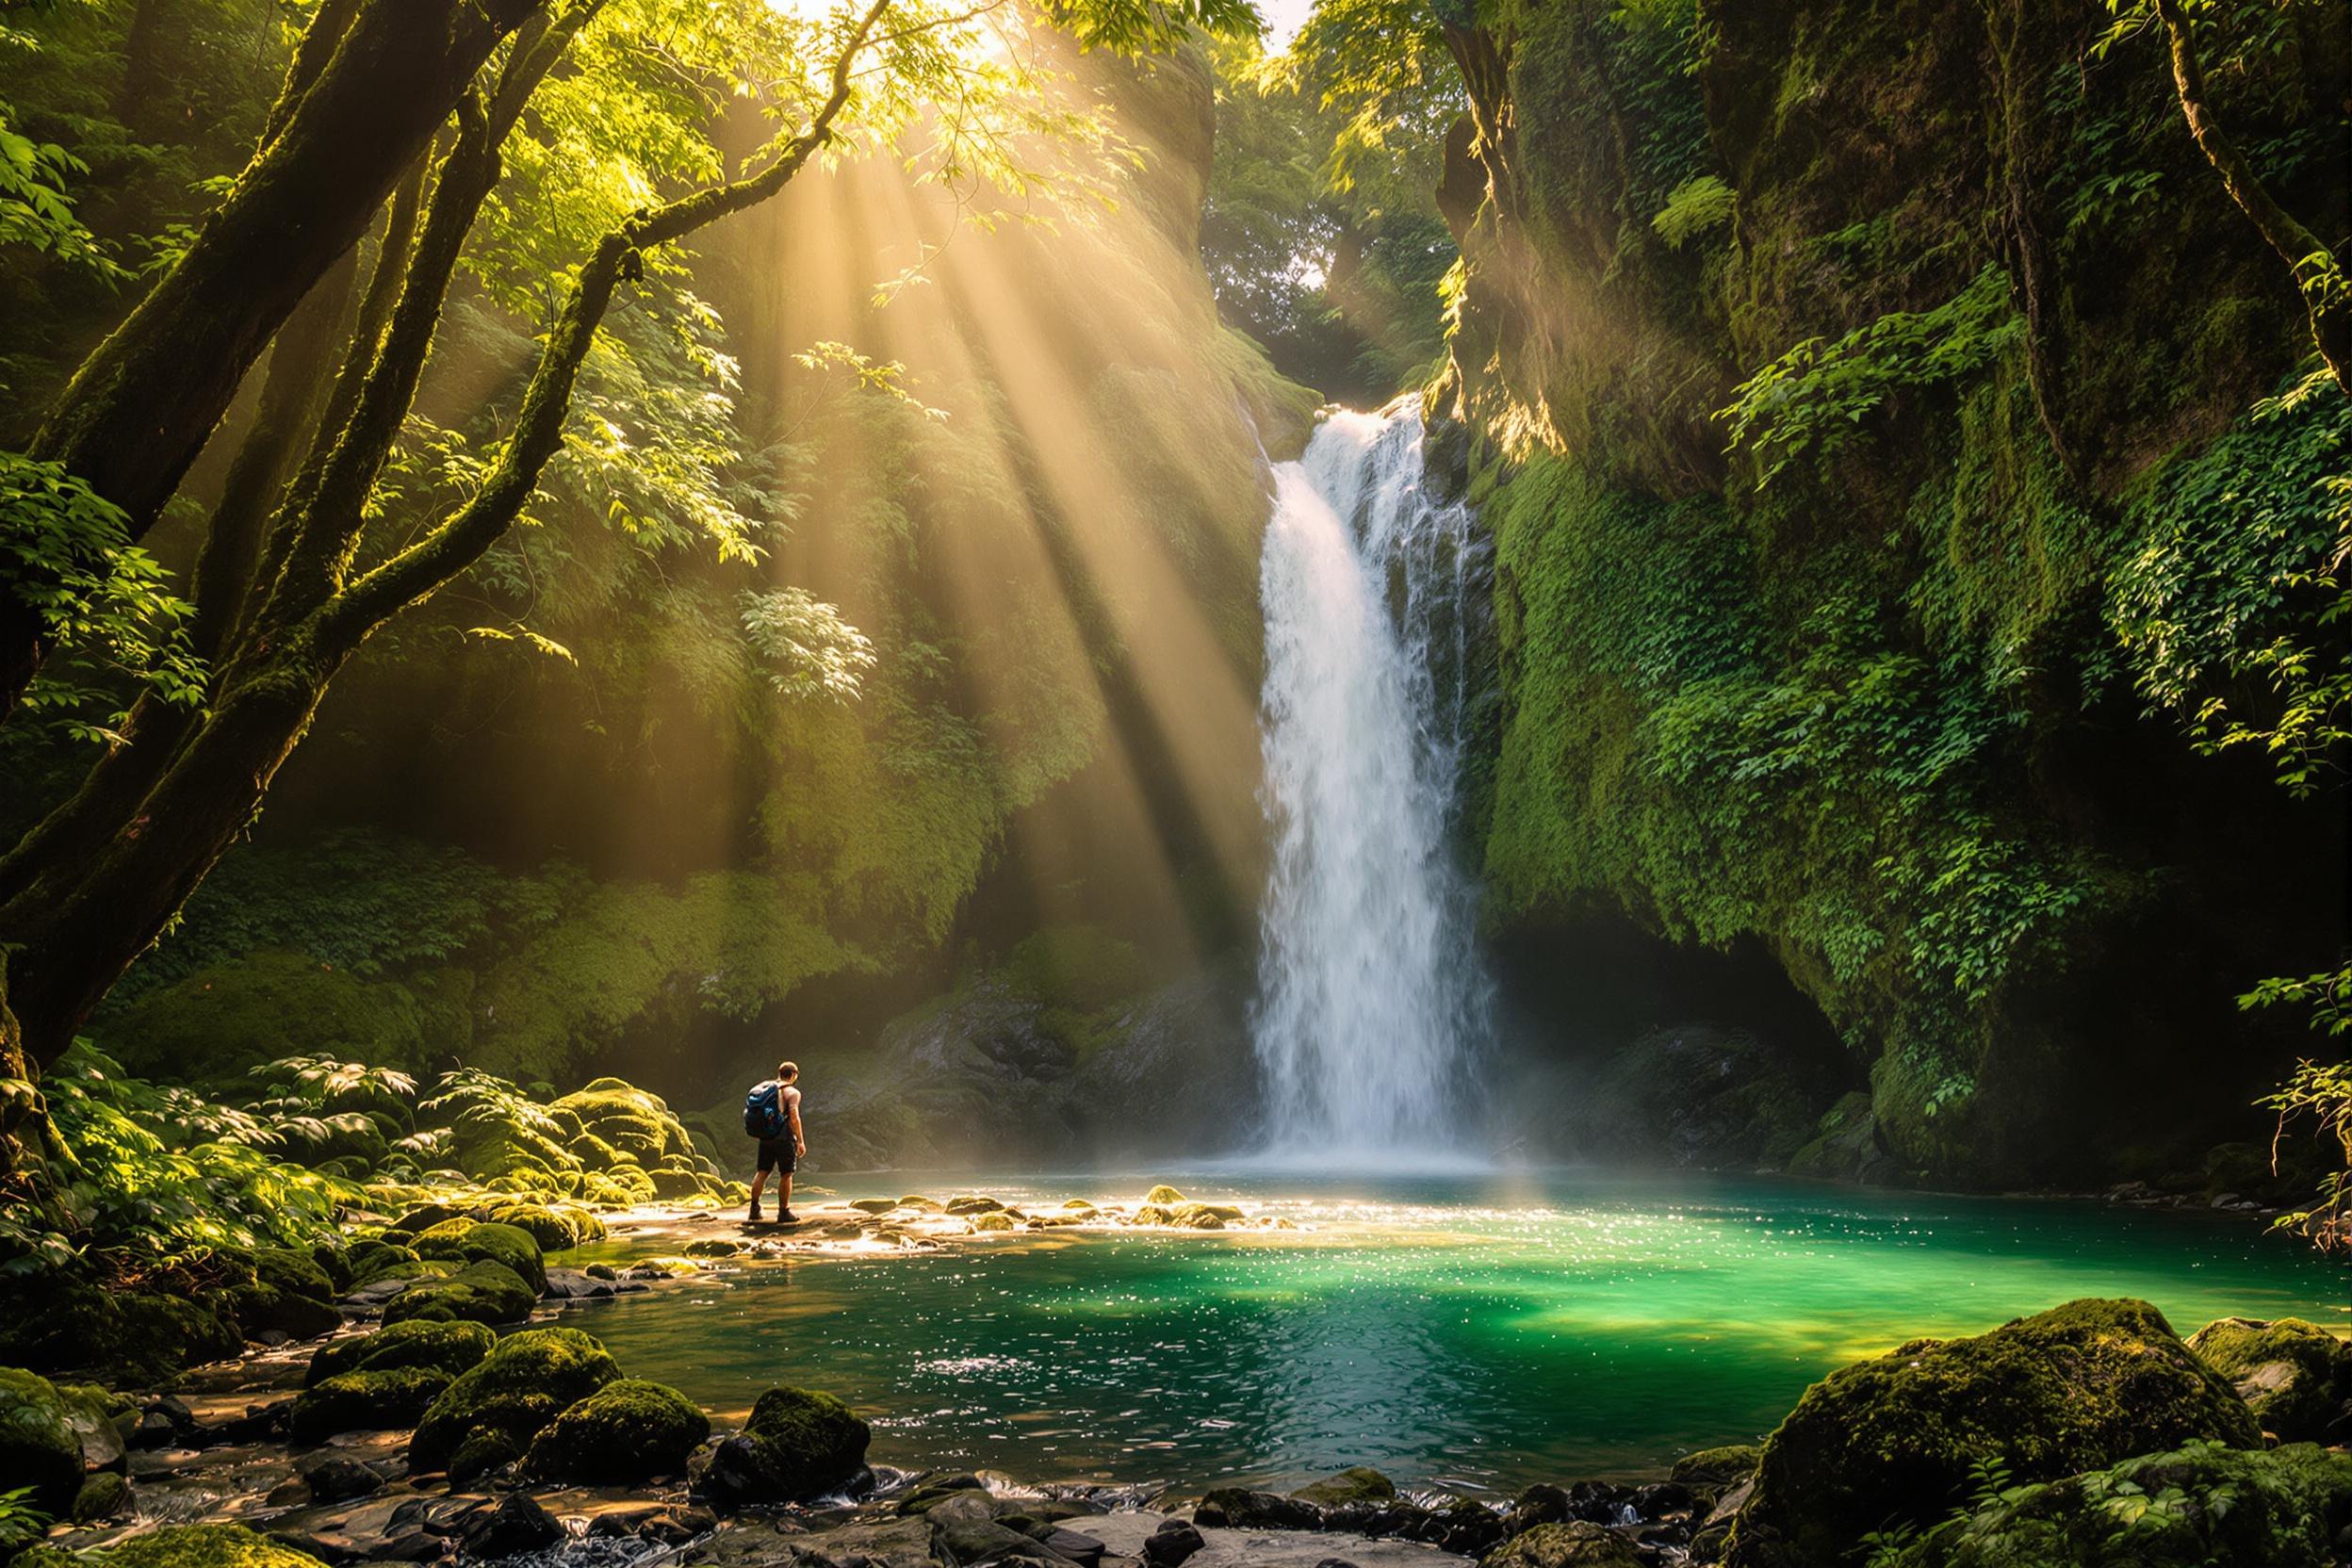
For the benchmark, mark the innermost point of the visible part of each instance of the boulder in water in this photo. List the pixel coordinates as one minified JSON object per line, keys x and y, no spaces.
{"x":371,"y":1399}
{"x":797,"y":1445}
{"x":1896,"y":1439}
{"x":520,"y":1387}
{"x":516,"y":1526}
{"x":1164,"y":1197}
{"x":628,"y":1430}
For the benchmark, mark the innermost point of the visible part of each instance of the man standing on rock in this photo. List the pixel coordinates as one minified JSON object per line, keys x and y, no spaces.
{"x":771,"y":1115}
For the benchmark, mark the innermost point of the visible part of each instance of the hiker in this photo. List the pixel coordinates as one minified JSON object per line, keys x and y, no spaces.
{"x":771,"y":1115}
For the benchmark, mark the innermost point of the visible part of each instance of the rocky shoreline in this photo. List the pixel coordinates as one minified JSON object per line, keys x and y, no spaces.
{"x":440,"y":1405}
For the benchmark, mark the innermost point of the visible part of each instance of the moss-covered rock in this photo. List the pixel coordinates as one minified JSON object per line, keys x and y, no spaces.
{"x":203,"y":1547}
{"x":38,"y":1447}
{"x":1573,"y":1544}
{"x":2200,"y":1507}
{"x":1164,"y":1197}
{"x":529,"y":1379}
{"x":374,"y":1399}
{"x":1358,"y":1483}
{"x":1893,"y":1440}
{"x":1719,"y":1467}
{"x":451,"y":1347}
{"x":627,"y":1430}
{"x":797,"y":1445}
{"x":375,"y":1259}
{"x":2294,"y":1375}
{"x":482,"y":1453}
{"x":475,"y":1241}
{"x":277,"y":1287}
{"x":553,"y":1229}
{"x":103,"y":1495}
{"x":478,"y":1293}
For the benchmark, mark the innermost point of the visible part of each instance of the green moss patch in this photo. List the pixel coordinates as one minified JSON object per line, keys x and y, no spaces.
{"x":626,"y":1432}
{"x":529,"y":1379}
{"x":1897,"y":1439}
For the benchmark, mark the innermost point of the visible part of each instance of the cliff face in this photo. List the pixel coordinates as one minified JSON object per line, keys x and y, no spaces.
{"x":1864,"y":401}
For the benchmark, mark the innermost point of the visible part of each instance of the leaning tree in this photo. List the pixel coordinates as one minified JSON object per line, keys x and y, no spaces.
{"x":382,"y":175}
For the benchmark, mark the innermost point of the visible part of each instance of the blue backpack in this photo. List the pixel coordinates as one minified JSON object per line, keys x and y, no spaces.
{"x":763,"y":1110}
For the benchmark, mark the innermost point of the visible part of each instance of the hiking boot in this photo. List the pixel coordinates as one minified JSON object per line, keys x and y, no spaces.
{"x":755,"y":1214}
{"x":786,"y":1217}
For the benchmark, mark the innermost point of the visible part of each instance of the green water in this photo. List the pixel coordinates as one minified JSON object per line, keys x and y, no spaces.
{"x":1477,"y":1332}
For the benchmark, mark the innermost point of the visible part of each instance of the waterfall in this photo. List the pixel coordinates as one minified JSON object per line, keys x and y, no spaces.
{"x":1373,"y":1002}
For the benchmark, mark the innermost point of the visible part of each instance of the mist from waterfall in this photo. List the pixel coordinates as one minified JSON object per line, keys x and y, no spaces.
{"x":1374,"y":1006}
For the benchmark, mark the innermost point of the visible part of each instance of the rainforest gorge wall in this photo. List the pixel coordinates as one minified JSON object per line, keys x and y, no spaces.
{"x":1905,"y":462}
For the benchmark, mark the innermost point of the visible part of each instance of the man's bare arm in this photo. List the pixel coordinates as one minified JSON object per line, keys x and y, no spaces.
{"x":800,"y":1144}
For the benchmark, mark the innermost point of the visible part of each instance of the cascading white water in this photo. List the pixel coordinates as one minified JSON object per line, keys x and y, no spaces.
{"x":1373,"y":1004}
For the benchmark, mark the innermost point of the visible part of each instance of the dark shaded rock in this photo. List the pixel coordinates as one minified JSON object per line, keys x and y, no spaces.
{"x":932,"y":1492}
{"x":2296,"y":1377}
{"x":278,"y":1288}
{"x":260,"y":1423}
{"x":340,"y":1479}
{"x":797,"y":1445}
{"x":1464,"y":1525}
{"x":104,"y":1494}
{"x":1664,"y":1497}
{"x":1718,"y":1467}
{"x":39,"y":1446}
{"x":1242,"y":1508}
{"x":1172,"y":1544}
{"x":628,"y":1430}
{"x":415,"y":1547}
{"x":1893,"y":1440}
{"x":486,"y":1453}
{"x":1070,"y":1543}
{"x":518,"y":1524}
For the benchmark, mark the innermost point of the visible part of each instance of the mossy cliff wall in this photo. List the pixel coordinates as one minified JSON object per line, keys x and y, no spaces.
{"x":1866,"y":401}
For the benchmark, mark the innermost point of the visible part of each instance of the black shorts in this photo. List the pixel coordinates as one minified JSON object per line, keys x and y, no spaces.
{"x":776,"y":1154}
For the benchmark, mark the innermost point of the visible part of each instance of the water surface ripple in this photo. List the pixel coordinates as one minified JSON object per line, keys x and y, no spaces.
{"x":1472,"y":1332}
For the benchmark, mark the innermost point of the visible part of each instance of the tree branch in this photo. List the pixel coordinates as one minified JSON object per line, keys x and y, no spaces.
{"x":2317,"y":273}
{"x":458,"y":543}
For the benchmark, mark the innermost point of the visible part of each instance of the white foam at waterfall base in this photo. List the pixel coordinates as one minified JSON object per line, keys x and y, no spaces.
{"x":1374,"y":1007}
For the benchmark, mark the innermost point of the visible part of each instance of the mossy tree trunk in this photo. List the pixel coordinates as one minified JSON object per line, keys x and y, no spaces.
{"x":74,"y":922}
{"x":371,"y":82}
{"x":2318,"y":270}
